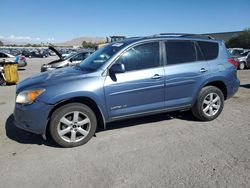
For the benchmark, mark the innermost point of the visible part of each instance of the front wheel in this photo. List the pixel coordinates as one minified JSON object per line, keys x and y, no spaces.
{"x":73,"y":125}
{"x":209,"y":104}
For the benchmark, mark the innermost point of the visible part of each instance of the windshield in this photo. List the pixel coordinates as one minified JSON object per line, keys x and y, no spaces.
{"x":100,"y":57}
{"x":69,"y":56}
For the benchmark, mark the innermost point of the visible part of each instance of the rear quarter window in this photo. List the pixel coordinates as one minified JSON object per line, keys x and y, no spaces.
{"x":209,"y":49}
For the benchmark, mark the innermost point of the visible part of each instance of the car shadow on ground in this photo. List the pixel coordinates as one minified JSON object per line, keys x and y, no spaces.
{"x":245,"y":86}
{"x":21,"y":69}
{"x":25,"y":137}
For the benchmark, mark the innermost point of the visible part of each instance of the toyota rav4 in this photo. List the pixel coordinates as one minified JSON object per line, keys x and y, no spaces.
{"x":125,"y":79}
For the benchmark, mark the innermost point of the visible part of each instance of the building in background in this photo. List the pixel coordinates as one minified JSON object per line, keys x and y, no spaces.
{"x":224,"y":35}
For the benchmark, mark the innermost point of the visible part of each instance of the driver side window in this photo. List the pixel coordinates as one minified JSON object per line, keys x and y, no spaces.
{"x":140,"y":57}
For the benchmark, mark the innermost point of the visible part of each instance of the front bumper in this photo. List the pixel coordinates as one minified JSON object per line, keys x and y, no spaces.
{"x":33,"y":117}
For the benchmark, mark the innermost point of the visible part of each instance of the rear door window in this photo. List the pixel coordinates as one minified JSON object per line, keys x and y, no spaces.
{"x":209,"y":49}
{"x":180,"y":52}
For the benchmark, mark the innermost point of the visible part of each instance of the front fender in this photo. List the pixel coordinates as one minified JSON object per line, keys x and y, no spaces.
{"x":92,"y":88}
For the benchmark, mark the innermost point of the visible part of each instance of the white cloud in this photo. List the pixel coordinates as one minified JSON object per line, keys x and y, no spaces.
{"x":26,"y":38}
{"x":50,"y":39}
{"x":13,"y":37}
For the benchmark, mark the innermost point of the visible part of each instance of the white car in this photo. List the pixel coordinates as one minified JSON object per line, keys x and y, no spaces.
{"x":5,"y":58}
{"x":65,"y":60}
{"x":244,"y":60}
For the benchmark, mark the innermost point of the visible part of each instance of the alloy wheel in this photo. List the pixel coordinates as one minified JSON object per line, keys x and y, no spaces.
{"x":74,"y":126}
{"x":211,"y":104}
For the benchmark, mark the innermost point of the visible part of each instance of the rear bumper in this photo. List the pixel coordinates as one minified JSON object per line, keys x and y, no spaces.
{"x":233,"y":88}
{"x":33,"y":117}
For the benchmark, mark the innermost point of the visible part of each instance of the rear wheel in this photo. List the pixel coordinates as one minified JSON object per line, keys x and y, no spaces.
{"x":242,"y":65}
{"x":209,"y":104}
{"x":73,"y":125}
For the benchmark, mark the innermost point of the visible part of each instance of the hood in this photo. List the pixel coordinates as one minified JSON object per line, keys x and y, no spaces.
{"x":51,"y":77}
{"x":55,"y":63}
{"x":54,"y":50}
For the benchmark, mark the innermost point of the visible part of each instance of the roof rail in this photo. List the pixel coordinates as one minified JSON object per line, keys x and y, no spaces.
{"x":202,"y":36}
{"x":162,"y":34}
{"x":187,"y":35}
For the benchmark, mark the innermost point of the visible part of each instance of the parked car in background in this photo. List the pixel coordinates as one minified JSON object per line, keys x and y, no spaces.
{"x":236,"y":51}
{"x":65,"y":61}
{"x":52,"y":53}
{"x":2,"y":78}
{"x":35,"y":53}
{"x":244,"y":60}
{"x":5,"y":57}
{"x":64,"y":55}
{"x":126,"y":79}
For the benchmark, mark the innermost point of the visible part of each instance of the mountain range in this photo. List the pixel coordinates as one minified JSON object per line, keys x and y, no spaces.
{"x":74,"y":42}
{"x":78,"y":41}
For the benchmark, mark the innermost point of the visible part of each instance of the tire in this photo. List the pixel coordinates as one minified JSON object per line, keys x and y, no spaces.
{"x":242,"y":65}
{"x":74,"y":132}
{"x":207,"y":106}
{"x":2,"y":81}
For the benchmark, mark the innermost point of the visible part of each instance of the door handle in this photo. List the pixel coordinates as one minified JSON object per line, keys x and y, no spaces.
{"x":203,"y":70}
{"x":156,"y":76}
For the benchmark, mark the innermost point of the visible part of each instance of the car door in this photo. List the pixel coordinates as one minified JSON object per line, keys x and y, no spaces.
{"x":185,"y":70}
{"x":140,"y":88}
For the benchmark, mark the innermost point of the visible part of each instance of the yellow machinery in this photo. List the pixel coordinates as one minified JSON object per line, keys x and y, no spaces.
{"x":11,"y":73}
{"x":111,"y":39}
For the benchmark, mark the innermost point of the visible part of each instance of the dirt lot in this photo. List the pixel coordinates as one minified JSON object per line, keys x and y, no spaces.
{"x":167,"y":150}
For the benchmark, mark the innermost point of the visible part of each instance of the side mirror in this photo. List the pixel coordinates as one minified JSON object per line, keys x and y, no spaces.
{"x":117,"y":68}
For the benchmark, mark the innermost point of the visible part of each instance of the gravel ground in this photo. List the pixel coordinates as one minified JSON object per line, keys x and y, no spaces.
{"x":167,"y":150}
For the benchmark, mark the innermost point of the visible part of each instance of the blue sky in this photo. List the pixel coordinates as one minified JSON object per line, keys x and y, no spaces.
{"x":61,"y":20}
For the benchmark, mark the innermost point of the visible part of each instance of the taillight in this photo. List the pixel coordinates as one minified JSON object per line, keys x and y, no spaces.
{"x":233,"y":62}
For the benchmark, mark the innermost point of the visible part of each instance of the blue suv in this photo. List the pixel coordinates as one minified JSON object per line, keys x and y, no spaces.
{"x":125,"y":79}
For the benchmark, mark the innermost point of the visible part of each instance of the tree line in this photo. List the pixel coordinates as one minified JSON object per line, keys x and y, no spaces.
{"x":240,"y":41}
{"x":86,"y":44}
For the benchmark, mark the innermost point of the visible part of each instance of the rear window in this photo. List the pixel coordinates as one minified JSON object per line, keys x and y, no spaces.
{"x":209,"y":49}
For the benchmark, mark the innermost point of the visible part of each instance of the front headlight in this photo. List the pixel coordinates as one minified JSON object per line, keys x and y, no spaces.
{"x":28,"y":96}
